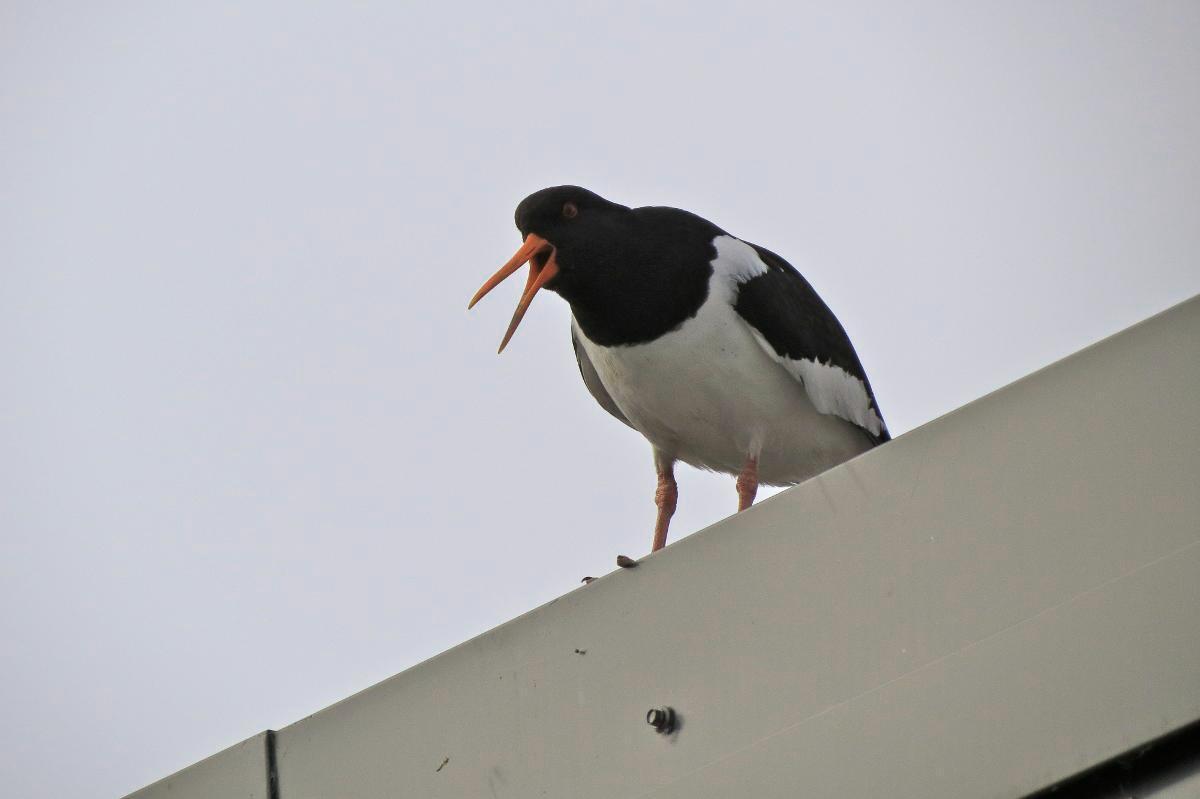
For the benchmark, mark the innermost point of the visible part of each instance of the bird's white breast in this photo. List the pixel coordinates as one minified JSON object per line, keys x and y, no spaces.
{"x":709,"y":394}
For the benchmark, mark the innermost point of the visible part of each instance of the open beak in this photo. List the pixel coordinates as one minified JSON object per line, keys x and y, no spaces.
{"x":538,"y":277}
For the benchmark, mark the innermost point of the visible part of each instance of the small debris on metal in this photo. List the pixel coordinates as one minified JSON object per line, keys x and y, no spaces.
{"x":662,"y":719}
{"x":444,"y":762}
{"x":580,"y":651}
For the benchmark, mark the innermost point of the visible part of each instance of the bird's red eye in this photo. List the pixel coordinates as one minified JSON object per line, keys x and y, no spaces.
{"x":570,"y":210}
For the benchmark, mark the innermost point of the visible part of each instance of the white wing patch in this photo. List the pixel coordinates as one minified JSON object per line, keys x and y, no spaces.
{"x":831,"y":389}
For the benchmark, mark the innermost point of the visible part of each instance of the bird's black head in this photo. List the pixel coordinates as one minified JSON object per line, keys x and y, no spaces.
{"x":569,"y":234}
{"x":629,"y":274}
{"x":565,"y":214}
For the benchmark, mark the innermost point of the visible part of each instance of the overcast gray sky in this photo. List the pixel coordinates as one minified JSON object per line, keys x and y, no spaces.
{"x":255,"y":454}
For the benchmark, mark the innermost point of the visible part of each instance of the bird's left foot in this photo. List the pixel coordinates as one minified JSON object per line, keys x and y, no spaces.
{"x":747,"y":483}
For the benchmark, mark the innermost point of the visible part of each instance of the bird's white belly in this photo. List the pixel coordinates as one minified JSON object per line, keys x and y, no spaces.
{"x":707,"y":394}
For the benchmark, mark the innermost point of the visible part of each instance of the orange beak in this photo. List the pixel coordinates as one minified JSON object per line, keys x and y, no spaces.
{"x":538,"y":277}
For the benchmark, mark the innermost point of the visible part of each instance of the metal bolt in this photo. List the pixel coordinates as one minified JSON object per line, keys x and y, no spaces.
{"x":662,"y":719}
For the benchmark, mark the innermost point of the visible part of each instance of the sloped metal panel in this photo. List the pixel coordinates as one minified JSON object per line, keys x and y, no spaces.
{"x":239,"y":772}
{"x":986,"y":605}
{"x":1043,"y":699}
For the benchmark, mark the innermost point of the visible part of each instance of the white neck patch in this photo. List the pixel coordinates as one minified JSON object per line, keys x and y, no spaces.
{"x":736,"y":261}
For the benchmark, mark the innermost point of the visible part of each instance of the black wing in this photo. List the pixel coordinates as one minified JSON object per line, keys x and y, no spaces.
{"x":803,"y":335}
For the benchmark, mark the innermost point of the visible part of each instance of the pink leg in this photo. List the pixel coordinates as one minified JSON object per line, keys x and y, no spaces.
{"x":747,"y":483}
{"x":665,"y":498}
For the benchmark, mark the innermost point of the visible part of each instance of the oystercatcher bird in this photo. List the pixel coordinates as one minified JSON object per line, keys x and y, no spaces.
{"x":716,"y":350}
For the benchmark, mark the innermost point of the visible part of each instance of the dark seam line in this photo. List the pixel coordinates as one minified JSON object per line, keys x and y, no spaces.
{"x":1155,"y":764}
{"x":272,"y":768}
